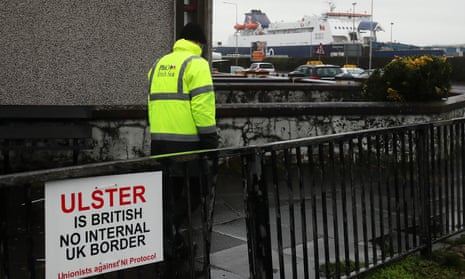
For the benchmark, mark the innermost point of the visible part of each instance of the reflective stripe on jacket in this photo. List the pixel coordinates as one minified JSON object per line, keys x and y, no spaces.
{"x":181,"y":103}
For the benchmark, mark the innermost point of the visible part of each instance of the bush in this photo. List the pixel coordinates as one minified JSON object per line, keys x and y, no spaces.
{"x":411,"y":78}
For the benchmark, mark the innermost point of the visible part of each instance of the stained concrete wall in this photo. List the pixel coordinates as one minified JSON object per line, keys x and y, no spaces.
{"x":249,"y":114}
{"x":121,"y":132}
{"x":133,"y":138}
{"x":86,"y":52}
{"x":125,"y":139}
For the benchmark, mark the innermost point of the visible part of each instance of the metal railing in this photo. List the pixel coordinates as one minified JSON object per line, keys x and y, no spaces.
{"x":324,"y":207}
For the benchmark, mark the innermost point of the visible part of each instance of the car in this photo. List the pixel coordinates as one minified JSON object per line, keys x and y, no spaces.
{"x":366,"y":74}
{"x":354,"y":71}
{"x":262,"y":67}
{"x":258,"y":69}
{"x":235,"y":69}
{"x":322,"y":71}
{"x":350,"y":72}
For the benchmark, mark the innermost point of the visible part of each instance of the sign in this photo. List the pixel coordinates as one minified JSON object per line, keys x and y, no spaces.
{"x":320,"y":50}
{"x":258,"y":51}
{"x":102,"y":224}
{"x":353,"y":49}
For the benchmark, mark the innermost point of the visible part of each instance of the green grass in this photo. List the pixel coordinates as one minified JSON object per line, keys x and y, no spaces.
{"x":414,"y":267}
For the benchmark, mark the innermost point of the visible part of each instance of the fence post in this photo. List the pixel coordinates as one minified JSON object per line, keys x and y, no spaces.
{"x":4,"y":234}
{"x":257,"y":217}
{"x":423,"y":188}
{"x":210,"y":173}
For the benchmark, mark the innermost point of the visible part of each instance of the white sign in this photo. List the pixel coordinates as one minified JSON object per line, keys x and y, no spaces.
{"x":102,"y":224}
{"x":320,"y":50}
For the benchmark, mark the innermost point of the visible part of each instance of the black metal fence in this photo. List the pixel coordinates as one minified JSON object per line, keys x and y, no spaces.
{"x":324,"y":207}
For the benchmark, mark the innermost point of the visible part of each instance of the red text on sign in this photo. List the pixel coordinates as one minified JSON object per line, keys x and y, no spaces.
{"x":98,"y":198}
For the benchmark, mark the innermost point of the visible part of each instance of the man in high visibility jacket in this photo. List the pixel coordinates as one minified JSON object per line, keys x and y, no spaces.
{"x":181,"y":102}
{"x":181,"y":108}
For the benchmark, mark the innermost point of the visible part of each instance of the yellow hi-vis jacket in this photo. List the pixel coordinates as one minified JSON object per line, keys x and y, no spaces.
{"x":181,"y":103}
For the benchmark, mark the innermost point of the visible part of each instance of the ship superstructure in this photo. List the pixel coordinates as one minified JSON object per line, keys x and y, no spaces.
{"x":328,"y":33}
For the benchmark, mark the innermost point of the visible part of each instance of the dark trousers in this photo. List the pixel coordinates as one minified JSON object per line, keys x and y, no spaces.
{"x":179,"y":193}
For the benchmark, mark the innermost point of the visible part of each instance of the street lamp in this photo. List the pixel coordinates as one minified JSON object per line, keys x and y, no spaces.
{"x":311,"y":42}
{"x":370,"y":56}
{"x":392,"y":23}
{"x":353,"y":22}
{"x":235,"y":34}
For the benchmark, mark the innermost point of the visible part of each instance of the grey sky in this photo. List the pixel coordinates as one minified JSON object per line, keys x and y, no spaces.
{"x":419,"y":22}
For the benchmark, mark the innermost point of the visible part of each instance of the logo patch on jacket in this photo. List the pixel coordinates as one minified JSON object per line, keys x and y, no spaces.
{"x":167,"y":70}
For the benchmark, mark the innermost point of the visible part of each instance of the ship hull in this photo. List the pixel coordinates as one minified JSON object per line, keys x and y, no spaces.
{"x":294,"y":51}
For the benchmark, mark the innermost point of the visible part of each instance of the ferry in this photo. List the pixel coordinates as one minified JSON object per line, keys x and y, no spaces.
{"x":332,"y":33}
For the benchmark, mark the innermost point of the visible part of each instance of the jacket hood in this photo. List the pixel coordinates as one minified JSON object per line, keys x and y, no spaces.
{"x":186,"y":45}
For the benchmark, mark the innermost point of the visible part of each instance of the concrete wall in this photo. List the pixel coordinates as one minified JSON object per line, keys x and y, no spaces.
{"x":121,"y":132}
{"x":116,"y":140}
{"x":258,"y":123}
{"x":70,"y":52}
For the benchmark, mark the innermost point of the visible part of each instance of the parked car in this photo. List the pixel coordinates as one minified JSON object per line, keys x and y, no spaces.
{"x":352,"y":71}
{"x":367,"y":73}
{"x":235,"y":69}
{"x":262,"y":67}
{"x":325,"y":72}
{"x":349,"y":72}
{"x":259,"y":69}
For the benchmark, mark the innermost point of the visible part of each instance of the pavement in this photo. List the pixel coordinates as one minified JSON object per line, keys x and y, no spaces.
{"x":229,"y":255}
{"x":458,"y":88}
